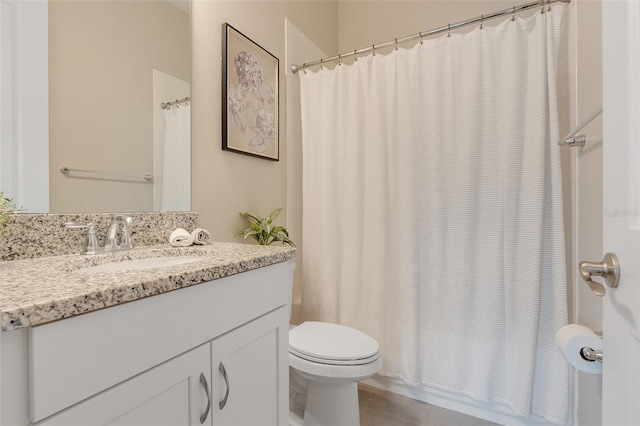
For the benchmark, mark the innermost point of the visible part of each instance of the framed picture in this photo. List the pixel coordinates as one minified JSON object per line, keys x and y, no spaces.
{"x":249,"y":97}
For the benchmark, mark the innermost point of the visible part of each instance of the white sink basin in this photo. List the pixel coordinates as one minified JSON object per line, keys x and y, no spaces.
{"x":137,"y":264}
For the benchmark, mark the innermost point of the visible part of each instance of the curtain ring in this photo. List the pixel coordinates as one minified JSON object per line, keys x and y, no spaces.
{"x":396,"y":45}
{"x":304,"y":67}
{"x":513,"y":16}
{"x":548,"y":5}
{"x":448,"y":30}
{"x":373,"y":49}
{"x":482,"y":20}
{"x":355,"y":55}
{"x":339,"y":62}
{"x":420,"y":33}
{"x":321,"y":60}
{"x":542,"y":3}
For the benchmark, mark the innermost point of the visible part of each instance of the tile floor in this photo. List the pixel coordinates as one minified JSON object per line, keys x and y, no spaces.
{"x":381,"y":408}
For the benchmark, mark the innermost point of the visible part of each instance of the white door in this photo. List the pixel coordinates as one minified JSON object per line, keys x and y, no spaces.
{"x":621,"y":221}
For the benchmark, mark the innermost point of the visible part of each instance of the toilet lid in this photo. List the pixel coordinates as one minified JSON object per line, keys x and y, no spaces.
{"x":331,"y":342}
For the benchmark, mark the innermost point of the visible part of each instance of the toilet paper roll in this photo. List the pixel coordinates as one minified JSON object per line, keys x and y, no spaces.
{"x":571,"y":339}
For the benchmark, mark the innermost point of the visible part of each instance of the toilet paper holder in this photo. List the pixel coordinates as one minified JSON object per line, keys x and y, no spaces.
{"x":582,"y":347}
{"x":591,"y":355}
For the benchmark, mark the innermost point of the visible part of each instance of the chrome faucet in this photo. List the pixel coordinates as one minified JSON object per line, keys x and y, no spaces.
{"x":118,"y":235}
{"x":119,"y":240}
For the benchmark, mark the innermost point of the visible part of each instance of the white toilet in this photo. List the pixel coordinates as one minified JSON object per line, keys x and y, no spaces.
{"x":326,"y":362}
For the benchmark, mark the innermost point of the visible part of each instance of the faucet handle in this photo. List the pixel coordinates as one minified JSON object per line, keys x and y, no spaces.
{"x":125,"y":238}
{"x":91,"y":245}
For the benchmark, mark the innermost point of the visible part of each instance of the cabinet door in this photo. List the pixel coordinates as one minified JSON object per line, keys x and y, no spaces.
{"x":250,"y":367}
{"x":170,"y":394}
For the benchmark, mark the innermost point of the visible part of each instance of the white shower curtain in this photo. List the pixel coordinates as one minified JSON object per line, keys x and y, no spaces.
{"x":433,"y":211}
{"x":176,"y":170}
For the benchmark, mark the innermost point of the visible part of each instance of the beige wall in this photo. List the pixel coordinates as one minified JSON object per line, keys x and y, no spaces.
{"x":101,"y":58}
{"x":363,"y":23}
{"x":587,"y":97}
{"x":585,"y":70}
{"x":300,"y":49}
{"x":225,"y":183}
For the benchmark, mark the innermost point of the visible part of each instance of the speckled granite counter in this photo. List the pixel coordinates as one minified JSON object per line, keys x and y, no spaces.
{"x":41,"y":290}
{"x":38,"y":235}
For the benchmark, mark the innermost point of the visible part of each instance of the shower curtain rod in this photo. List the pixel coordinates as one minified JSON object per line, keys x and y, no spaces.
{"x":422,"y":34}
{"x":165,"y":105}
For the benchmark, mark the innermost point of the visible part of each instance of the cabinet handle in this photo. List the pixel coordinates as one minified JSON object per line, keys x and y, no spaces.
{"x":205,"y":385}
{"x":226,"y":382}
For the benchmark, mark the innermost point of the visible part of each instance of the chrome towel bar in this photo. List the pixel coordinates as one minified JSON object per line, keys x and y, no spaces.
{"x":67,"y":170}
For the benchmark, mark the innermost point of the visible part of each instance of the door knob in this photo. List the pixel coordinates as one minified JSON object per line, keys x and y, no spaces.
{"x":609,"y":269}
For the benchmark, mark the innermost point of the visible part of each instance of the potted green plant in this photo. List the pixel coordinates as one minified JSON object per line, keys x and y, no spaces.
{"x":263,"y":231}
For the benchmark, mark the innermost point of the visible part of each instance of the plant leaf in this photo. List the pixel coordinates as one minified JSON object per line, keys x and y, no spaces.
{"x":281,"y":229}
{"x":274,"y":214}
{"x":252,"y":216}
{"x":249,"y":233}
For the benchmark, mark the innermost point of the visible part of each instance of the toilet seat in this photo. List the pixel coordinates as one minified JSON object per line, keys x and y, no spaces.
{"x":361,"y":361}
{"x":332,"y":344}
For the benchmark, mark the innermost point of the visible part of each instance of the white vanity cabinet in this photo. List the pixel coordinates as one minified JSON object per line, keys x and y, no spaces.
{"x":157,"y":360}
{"x":243,"y":389}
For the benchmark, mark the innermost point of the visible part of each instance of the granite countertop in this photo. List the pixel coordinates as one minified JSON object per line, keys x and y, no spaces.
{"x":37,"y":291}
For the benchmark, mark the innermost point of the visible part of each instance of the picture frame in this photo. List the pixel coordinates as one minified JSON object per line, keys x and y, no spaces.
{"x":250,"y":90}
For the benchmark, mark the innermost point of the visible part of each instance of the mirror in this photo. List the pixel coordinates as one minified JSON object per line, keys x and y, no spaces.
{"x":111,"y":65}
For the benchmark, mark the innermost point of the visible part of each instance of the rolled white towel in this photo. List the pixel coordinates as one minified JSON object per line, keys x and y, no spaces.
{"x":200,"y":236}
{"x":180,"y":238}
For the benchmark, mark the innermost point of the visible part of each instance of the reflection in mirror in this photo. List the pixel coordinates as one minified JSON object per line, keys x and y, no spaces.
{"x":111,"y":66}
